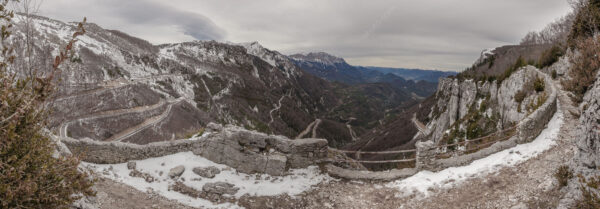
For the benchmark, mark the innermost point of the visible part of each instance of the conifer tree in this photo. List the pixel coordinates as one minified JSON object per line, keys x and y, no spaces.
{"x":30,"y":176}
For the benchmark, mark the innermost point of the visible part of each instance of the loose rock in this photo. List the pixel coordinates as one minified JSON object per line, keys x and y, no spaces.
{"x":176,"y":171}
{"x":206,"y":172}
{"x":220,"y":188}
{"x":131,"y":165}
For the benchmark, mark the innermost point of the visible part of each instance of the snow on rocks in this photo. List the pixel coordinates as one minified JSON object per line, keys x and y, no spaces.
{"x":298,"y":180}
{"x":424,"y":181}
{"x":220,"y":188}
{"x":206,"y":172}
{"x":485,"y":54}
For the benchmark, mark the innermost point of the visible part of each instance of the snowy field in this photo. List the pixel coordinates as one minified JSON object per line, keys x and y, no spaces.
{"x":425,"y":180}
{"x":297,"y":182}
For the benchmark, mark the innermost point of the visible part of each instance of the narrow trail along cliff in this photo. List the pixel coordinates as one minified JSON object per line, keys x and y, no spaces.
{"x":530,"y":184}
{"x":527,"y":185}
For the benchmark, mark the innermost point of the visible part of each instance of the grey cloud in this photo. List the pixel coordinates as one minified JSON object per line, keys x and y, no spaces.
{"x":127,"y":14}
{"x":143,"y":12}
{"x":443,"y":34}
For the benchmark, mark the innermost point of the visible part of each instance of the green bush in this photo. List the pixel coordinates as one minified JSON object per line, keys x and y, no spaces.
{"x":585,"y":23}
{"x":550,"y":56}
{"x":563,"y":174}
{"x":30,"y":177}
{"x":520,"y":96}
{"x":539,"y":85}
{"x":554,"y":74}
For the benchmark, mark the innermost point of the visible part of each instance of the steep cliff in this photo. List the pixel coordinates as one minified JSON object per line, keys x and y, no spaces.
{"x":466,"y":109}
{"x":589,"y":131}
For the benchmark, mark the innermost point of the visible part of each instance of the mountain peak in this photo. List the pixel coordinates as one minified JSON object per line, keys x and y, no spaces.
{"x":321,"y":57}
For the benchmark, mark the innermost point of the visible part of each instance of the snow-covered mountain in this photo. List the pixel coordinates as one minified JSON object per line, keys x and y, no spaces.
{"x":121,"y":88}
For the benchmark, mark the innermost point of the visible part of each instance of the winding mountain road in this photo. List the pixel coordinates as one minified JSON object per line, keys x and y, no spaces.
{"x":110,"y":113}
{"x":115,"y":84}
{"x":144,"y":125}
{"x":420,"y":126}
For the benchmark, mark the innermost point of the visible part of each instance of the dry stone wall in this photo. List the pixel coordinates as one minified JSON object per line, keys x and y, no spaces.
{"x":246,"y":151}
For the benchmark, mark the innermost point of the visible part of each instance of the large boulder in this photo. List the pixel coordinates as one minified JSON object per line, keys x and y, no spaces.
{"x":176,"y":171}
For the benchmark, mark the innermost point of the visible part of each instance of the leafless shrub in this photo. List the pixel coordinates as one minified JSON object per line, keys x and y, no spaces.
{"x":584,"y":68}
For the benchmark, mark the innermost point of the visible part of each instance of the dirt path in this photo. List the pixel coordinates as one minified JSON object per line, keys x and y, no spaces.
{"x":307,"y":129}
{"x":530,"y":184}
{"x":420,"y":126}
{"x":314,"y":130}
{"x":277,"y":107}
{"x":352,"y":133}
{"x":113,"y":194}
{"x":527,"y":185}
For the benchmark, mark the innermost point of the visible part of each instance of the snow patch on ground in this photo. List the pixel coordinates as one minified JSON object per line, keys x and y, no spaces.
{"x":298,"y":180}
{"x":423,"y":181}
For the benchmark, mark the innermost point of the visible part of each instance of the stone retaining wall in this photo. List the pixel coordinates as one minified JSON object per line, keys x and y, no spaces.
{"x":246,"y":151}
{"x":530,"y":127}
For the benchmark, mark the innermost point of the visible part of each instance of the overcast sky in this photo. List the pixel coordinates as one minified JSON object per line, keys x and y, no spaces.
{"x":429,"y":34}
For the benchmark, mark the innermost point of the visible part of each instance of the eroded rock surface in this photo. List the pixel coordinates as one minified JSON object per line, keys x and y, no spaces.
{"x":589,"y":131}
{"x":206,"y":172}
{"x":220,"y":188}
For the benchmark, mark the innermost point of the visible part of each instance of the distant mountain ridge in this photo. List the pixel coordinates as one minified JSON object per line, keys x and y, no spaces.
{"x":413,"y":74}
{"x":336,"y":69}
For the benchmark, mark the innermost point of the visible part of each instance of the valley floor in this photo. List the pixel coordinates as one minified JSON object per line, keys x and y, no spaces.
{"x":529,"y":184}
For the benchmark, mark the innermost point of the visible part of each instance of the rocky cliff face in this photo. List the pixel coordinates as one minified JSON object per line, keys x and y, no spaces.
{"x":468,"y":108}
{"x":453,"y":101}
{"x":589,"y":131}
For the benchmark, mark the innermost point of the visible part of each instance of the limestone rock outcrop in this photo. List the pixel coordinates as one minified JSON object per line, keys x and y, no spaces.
{"x":456,"y":98}
{"x":589,"y":131}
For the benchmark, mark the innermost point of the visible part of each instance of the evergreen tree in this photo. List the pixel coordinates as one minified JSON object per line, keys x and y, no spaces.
{"x":30,"y":176}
